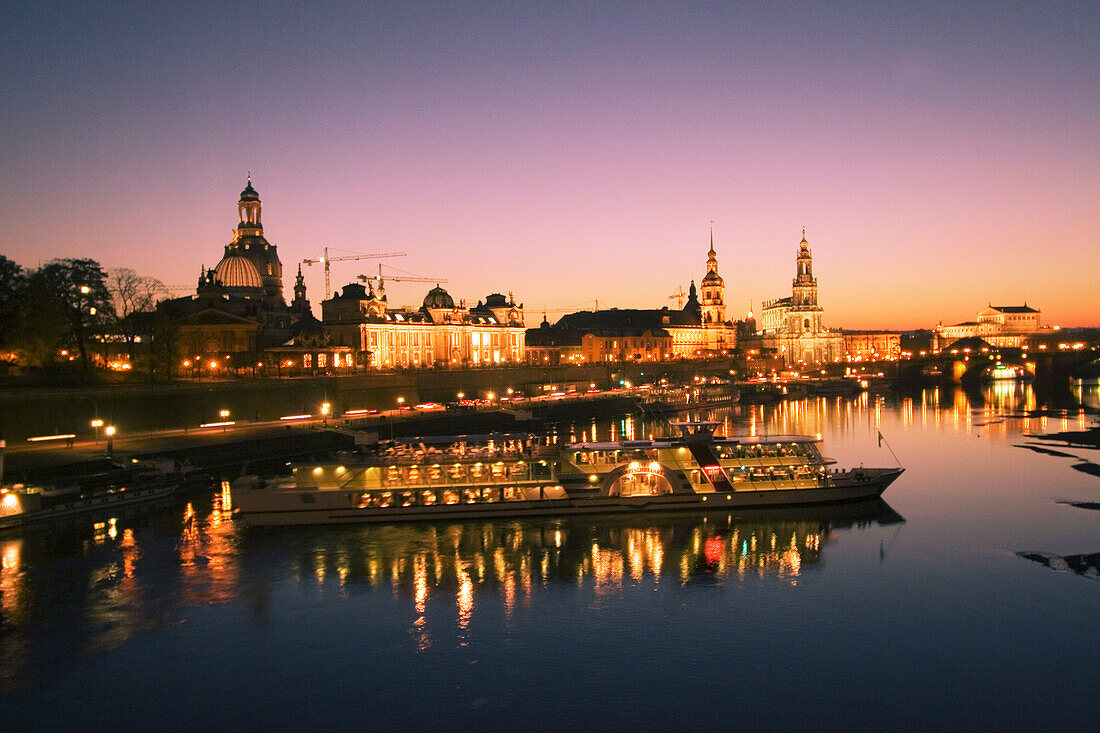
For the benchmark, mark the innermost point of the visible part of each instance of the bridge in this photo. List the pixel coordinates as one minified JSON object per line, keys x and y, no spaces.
{"x":966,"y":364}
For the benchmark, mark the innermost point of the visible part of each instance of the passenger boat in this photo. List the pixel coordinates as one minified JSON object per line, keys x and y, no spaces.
{"x":511,"y":475}
{"x":120,"y":487}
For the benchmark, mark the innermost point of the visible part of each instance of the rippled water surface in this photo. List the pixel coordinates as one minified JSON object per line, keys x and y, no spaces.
{"x":968,"y":598}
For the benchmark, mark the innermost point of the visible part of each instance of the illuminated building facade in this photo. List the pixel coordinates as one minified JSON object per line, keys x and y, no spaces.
{"x":1004,"y":326}
{"x":593,"y":343}
{"x":868,"y":345}
{"x":440,"y":333}
{"x":237,"y":316}
{"x":792,"y":327}
{"x":698,"y":330}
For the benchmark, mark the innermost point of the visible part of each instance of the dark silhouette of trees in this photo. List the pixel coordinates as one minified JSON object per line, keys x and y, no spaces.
{"x":135,"y":298}
{"x":77,"y":290}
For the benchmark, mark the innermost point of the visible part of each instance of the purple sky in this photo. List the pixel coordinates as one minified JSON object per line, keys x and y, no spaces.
{"x":940,"y":156}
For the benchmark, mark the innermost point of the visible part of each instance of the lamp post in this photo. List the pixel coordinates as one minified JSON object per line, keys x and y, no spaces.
{"x":110,"y":433}
{"x":326,"y":408}
{"x":97,"y":423}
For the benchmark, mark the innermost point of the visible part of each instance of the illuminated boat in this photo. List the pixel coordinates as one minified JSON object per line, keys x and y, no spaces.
{"x":509,"y":475}
{"x":104,"y":492}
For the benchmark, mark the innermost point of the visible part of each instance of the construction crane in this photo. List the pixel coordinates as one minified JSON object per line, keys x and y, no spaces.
{"x":377,"y":282}
{"x":325,"y":260}
{"x":679,"y":296}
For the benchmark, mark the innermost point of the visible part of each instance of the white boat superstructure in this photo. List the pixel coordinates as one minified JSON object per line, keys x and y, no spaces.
{"x":512,"y":475}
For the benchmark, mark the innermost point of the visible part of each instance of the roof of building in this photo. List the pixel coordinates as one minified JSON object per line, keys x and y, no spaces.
{"x":970,"y":342}
{"x":1025,"y":308}
{"x":353,"y":291}
{"x":437,"y":297}
{"x":712,"y":278}
{"x":236,"y":271}
{"x":249,"y":193}
{"x":617,"y":318}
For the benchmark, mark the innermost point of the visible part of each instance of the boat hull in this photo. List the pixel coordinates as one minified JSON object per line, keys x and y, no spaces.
{"x":279,"y":509}
{"x":89,"y":505}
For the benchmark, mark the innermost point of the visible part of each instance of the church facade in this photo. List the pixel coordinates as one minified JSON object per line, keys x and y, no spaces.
{"x":792,"y":327}
{"x":238,"y":310}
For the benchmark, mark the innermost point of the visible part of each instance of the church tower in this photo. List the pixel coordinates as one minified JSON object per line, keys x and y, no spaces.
{"x":300,"y":304}
{"x":249,"y":242}
{"x":804,"y":284}
{"x":714,"y":289}
{"x":804,"y":315}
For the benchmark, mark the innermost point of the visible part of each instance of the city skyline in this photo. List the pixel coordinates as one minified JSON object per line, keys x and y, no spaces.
{"x":939,"y":157}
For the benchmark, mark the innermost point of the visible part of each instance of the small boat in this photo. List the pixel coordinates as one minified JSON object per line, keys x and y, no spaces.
{"x":511,"y":475}
{"x":123,"y":486}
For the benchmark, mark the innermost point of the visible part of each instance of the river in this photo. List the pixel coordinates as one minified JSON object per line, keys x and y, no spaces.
{"x":968,"y":598}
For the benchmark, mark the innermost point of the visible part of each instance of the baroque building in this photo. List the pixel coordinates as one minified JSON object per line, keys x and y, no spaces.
{"x":1004,"y":326}
{"x":792,"y":327}
{"x":440,"y":333}
{"x":238,"y":306}
{"x":697,"y":330}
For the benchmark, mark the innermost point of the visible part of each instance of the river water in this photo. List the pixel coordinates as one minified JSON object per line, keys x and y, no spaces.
{"x":968,"y":598}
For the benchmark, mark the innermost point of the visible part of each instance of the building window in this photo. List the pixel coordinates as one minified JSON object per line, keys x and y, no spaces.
{"x":322,"y":360}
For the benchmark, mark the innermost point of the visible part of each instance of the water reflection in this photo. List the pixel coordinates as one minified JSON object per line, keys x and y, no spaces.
{"x":501,"y":564}
{"x":79,"y":590}
{"x":1087,"y":566}
{"x":73,"y":593}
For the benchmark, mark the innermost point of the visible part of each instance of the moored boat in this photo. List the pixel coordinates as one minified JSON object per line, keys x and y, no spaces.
{"x":122,"y":486}
{"x":511,"y":475}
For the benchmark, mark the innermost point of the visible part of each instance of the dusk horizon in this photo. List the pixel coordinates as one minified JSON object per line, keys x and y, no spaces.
{"x":940,"y":158}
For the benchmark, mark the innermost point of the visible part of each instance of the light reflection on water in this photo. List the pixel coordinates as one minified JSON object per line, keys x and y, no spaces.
{"x":976,"y":508}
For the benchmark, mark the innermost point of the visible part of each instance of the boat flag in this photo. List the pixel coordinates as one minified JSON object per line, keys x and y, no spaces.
{"x":879,"y":438}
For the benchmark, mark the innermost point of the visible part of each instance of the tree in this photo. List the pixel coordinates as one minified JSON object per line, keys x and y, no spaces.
{"x":77,"y":288}
{"x":13,"y":290}
{"x":135,"y":297}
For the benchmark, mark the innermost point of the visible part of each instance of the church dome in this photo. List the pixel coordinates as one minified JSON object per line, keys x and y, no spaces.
{"x":235,"y":271}
{"x":249,"y":193}
{"x":713,"y":278}
{"x":496,"y":300}
{"x":437,"y":297}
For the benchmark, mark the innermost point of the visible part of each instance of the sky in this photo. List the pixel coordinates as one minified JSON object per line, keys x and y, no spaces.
{"x":941,"y":156}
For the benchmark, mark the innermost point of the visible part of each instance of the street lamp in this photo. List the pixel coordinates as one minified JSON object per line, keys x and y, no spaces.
{"x":110,"y":432}
{"x":326,"y":408}
{"x":97,"y":423}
